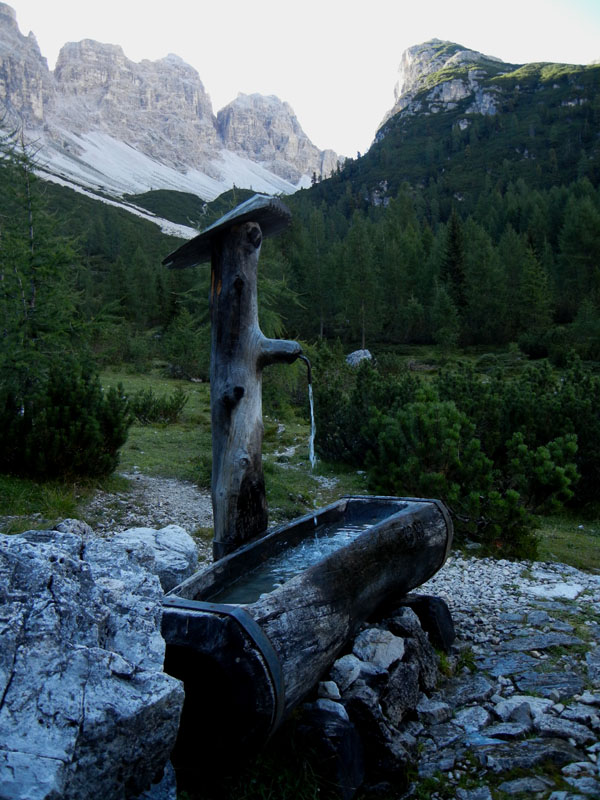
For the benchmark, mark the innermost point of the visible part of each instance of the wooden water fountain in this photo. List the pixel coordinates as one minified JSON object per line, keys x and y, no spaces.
{"x":251,"y":635}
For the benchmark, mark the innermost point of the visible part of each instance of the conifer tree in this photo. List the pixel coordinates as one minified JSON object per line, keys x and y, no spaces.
{"x":54,"y":418}
{"x":453,"y":264}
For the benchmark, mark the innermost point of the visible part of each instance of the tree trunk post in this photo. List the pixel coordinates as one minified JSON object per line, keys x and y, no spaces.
{"x":239,"y":353}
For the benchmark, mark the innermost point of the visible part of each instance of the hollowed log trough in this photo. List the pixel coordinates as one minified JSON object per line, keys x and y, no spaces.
{"x":246,"y":665}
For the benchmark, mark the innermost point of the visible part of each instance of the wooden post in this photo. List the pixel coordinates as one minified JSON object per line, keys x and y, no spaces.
{"x":239,"y":352}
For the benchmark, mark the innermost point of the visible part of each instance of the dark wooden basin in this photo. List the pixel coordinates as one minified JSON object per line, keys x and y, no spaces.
{"x":247,"y":659}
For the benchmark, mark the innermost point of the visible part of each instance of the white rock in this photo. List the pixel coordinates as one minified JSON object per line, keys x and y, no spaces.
{"x":175,"y":552}
{"x":379,"y":647}
{"x":329,"y":690}
{"x":345,"y":671}
{"x":555,"y":591}
{"x":86,"y":706}
{"x":537,"y":705}
{"x":335,"y":708}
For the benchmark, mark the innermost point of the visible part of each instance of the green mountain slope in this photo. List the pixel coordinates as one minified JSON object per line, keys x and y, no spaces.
{"x":545,"y":129}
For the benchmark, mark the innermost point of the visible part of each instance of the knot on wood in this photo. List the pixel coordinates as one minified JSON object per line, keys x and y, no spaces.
{"x":255,"y":235}
{"x":232,"y":396}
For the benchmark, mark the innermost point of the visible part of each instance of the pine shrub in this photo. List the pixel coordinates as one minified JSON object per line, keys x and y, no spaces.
{"x":66,"y":426}
{"x":497,"y":450}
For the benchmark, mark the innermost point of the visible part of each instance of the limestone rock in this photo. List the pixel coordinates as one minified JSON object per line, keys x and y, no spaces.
{"x":97,"y":104}
{"x":401,"y":693}
{"x":158,"y":107}
{"x":26,"y":87}
{"x":536,"y":706}
{"x":175,"y":552}
{"x":355,"y":358}
{"x":87,"y":709}
{"x":266,"y":129}
{"x":434,"y":618}
{"x":379,"y":647}
{"x":436,"y":75}
{"x":557,"y":727}
{"x":433,"y":711}
{"x":530,"y":753}
{"x":345,"y":671}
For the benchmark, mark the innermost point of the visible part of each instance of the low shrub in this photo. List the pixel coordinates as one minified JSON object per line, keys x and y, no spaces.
{"x":66,"y":426}
{"x":147,"y":407}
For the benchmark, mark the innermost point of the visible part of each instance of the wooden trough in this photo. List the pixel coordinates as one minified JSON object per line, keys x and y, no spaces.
{"x":248,"y":653}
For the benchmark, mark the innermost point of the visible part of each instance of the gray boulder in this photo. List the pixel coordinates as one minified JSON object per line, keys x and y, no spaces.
{"x":379,"y":647}
{"x":86,"y":709}
{"x":175,"y":552}
{"x":355,"y":358}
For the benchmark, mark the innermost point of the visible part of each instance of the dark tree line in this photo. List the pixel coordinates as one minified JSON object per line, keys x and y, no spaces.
{"x":521,"y":267}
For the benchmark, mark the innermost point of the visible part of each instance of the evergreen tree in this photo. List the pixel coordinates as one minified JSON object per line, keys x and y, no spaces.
{"x":453,"y":264}
{"x":38,"y":301}
{"x":579,"y":253}
{"x":484,"y":315}
{"x":54,"y":418}
{"x":362,"y":283}
{"x":445,"y":322}
{"x":534,"y":302}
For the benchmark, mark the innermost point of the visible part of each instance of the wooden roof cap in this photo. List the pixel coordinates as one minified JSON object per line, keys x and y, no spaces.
{"x":269,"y":212}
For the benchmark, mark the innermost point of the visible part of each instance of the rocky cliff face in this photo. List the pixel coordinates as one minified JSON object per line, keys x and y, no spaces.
{"x":26,"y":87}
{"x":267,"y":130}
{"x":436,"y":75}
{"x":98,"y":100}
{"x":158,"y":107}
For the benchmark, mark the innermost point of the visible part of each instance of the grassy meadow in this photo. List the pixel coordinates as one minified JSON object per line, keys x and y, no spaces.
{"x":182,"y":450}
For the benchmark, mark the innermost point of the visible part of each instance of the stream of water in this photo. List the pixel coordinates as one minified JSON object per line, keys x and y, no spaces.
{"x":313,"y":429}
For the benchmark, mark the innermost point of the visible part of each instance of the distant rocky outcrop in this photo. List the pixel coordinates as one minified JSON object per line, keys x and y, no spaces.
{"x":436,"y":75}
{"x":99,"y":100}
{"x":158,"y":107}
{"x":26,"y":85}
{"x":266,"y":129}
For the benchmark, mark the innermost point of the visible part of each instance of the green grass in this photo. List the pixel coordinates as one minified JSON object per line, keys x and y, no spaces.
{"x":26,"y":504}
{"x":569,"y":539}
{"x":171,"y":451}
{"x":183,"y":450}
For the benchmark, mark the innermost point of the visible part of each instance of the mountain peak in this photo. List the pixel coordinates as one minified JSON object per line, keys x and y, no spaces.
{"x":437,"y":74}
{"x":422,"y":60}
{"x":265,"y":127}
{"x":8,"y":15}
{"x":105,"y":121}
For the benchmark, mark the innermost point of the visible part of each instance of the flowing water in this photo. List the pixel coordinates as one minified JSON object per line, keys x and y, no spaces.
{"x":282,"y":567}
{"x":313,"y":429}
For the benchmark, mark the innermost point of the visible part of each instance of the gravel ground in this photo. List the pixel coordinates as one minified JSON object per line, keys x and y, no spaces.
{"x":152,"y":502}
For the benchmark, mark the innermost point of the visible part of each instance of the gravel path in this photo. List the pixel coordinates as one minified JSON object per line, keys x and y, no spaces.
{"x":152,"y":502}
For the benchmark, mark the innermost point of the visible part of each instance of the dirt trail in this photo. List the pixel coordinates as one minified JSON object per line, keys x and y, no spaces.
{"x":151,"y":502}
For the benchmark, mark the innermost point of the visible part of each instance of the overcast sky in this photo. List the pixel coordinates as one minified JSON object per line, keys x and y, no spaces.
{"x":334,"y":61}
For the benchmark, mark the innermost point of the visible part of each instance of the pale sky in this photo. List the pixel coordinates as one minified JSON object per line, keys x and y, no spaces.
{"x":334,"y":61}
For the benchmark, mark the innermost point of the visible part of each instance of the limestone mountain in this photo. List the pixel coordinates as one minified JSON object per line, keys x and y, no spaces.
{"x":106,"y":123}
{"x":463,"y":120}
{"x":264,"y":128}
{"x":436,"y":75}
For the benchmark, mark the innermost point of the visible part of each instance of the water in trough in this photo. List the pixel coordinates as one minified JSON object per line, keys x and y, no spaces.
{"x":282,"y":567}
